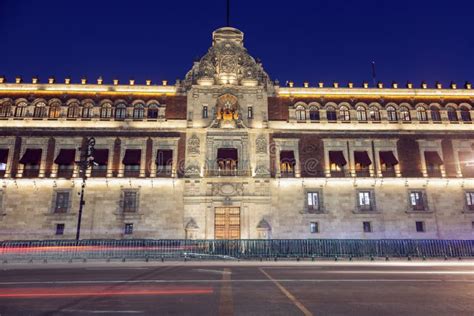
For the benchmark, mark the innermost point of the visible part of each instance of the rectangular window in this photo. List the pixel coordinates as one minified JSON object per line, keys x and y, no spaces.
{"x":416,"y":201}
{"x":313,"y":201}
{"x":470,"y":201}
{"x":205,"y":113}
{"x":250,"y":112}
{"x":62,"y":202}
{"x":365,"y":199}
{"x":367,"y":227}
{"x":314,"y":227}
{"x":128,"y":229}
{"x":420,"y":227}
{"x":59,"y":229}
{"x":129,"y":201}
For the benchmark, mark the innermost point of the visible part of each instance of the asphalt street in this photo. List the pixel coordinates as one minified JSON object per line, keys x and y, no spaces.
{"x":304,"y":288}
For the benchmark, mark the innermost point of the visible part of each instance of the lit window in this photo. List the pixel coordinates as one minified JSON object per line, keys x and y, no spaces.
{"x":405,"y":114}
{"x":250,"y":112}
{"x":470,"y":200}
{"x":417,"y":201}
{"x":421,"y":114}
{"x":314,"y":227}
{"x":364,"y":200}
{"x":54,"y":111}
{"x":300,"y":113}
{"x":367,"y":227}
{"x":361,"y":113}
{"x":138,"y":111}
{"x":392,"y":114}
{"x":420,"y":227}
{"x":374,"y":114}
{"x":128,"y":229}
{"x":60,"y":229}
{"x":313,"y":201}
{"x":120,"y":112}
{"x":344,"y":114}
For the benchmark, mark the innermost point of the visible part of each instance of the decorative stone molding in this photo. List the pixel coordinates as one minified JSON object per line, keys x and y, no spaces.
{"x":194,"y":145}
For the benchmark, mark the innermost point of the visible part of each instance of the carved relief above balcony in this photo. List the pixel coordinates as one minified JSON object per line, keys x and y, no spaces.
{"x":227,"y":189}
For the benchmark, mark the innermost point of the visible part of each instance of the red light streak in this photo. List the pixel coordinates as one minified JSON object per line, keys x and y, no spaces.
{"x":98,"y":291}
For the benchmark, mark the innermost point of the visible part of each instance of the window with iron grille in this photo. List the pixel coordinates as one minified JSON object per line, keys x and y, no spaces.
{"x":470,"y":200}
{"x":60,"y":229}
{"x":314,"y":227}
{"x":417,"y":201}
{"x":365,"y":200}
{"x":313,"y":201}
{"x":128,"y":229}
{"x":62,"y":202}
{"x":130,"y":199}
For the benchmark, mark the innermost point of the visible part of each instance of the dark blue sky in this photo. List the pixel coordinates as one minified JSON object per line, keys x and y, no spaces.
{"x":296,"y":40}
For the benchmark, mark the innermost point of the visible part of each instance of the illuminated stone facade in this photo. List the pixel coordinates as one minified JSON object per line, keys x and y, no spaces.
{"x":228,"y":153}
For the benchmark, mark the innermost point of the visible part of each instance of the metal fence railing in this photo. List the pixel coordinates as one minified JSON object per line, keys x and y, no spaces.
{"x":147,"y":249}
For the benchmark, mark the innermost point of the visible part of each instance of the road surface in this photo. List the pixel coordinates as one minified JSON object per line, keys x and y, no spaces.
{"x":239,"y":288}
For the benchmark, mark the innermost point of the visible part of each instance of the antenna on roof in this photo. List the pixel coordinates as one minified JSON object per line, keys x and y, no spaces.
{"x":374,"y":75}
{"x":228,"y":13}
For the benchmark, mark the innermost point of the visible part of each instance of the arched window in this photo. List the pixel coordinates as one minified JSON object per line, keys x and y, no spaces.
{"x":55,"y":111}
{"x":120,"y":112}
{"x":361,"y":113}
{"x":405,"y":114}
{"x":314,"y":113}
{"x":40,"y":110}
{"x":435,"y":114}
{"x":87,"y":110}
{"x":73,"y":111}
{"x":452,"y":114}
{"x":392,"y":114}
{"x":20,"y":109}
{"x":5,"y":109}
{"x":152,"y":111}
{"x":300,"y":113}
{"x":344,"y":114}
{"x":374,"y":113}
{"x":465,"y":114}
{"x":138,"y":111}
{"x":421,"y":114}
{"x":106,"y":111}
{"x":331,"y":114}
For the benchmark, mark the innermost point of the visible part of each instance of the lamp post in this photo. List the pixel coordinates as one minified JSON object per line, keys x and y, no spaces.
{"x":87,"y":160}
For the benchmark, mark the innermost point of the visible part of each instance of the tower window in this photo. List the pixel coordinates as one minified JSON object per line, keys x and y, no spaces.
{"x":59,"y":229}
{"x":205,"y":113}
{"x":314,"y":227}
{"x":250,"y":112}
{"x":128,"y":229}
{"x":420,"y":227}
{"x":367,"y":226}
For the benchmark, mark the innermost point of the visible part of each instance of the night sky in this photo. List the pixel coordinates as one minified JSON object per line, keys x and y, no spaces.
{"x":296,"y":40}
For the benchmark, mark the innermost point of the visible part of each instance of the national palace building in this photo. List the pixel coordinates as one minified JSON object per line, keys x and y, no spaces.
{"x":227,"y":153}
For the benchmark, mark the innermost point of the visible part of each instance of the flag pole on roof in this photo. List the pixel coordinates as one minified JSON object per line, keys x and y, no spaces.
{"x":228,"y":13}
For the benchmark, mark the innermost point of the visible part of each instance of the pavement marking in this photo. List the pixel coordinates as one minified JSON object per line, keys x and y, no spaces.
{"x":115,"y":268}
{"x":381,"y":272}
{"x":225,"y":271}
{"x":226,"y":304}
{"x":233,"y":281}
{"x":293,"y":299}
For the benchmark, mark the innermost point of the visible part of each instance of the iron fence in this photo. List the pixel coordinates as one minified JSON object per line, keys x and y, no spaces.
{"x":146,"y":249}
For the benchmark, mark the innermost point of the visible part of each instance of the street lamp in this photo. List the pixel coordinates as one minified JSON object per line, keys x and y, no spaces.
{"x":87,"y":160}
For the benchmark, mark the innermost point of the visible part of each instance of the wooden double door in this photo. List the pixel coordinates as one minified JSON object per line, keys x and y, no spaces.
{"x":227,"y":223}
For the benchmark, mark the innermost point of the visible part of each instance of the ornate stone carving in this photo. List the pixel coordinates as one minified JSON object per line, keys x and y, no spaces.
{"x":227,"y":62}
{"x":262,"y":170}
{"x":193,"y":170}
{"x":261,"y":144}
{"x":194,"y":145}
{"x":227,"y":189}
